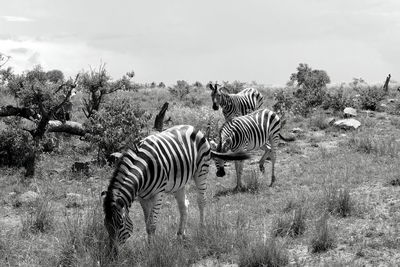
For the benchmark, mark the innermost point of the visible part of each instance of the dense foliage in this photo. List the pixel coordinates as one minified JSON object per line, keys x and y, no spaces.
{"x":118,"y":125}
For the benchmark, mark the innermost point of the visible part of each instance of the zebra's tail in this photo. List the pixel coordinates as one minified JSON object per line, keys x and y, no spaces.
{"x":230,"y":156}
{"x":287,"y":139}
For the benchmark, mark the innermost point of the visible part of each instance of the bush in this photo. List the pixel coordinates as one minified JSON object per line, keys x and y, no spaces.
{"x":370,"y":97}
{"x":323,"y":238}
{"x":117,"y":126}
{"x":16,"y":148}
{"x":337,"y":100}
{"x":284,"y":101}
{"x":180,"y":90}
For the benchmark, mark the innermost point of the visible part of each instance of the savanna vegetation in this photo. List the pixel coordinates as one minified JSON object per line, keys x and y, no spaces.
{"x":335,"y":201}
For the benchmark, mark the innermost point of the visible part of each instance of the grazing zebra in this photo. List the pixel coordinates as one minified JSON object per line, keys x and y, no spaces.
{"x":234,"y":105}
{"x":161,"y":163}
{"x":260,"y":129}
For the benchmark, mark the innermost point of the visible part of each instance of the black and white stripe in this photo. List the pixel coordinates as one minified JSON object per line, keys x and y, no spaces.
{"x":234,"y":105}
{"x":260,"y":129}
{"x":161,"y":163}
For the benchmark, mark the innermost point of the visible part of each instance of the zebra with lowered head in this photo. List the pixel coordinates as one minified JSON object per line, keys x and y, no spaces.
{"x":260,"y":129}
{"x":234,"y":105}
{"x":161,"y":163}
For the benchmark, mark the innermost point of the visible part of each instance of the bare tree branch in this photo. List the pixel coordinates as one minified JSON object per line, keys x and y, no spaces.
{"x":26,"y":113}
{"x":70,"y":127}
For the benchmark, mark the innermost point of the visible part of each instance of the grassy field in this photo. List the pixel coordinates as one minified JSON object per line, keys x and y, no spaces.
{"x":335,"y":202}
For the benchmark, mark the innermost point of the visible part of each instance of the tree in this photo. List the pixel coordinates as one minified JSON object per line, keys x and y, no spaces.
{"x":38,"y":100}
{"x":96,"y":84}
{"x":309,"y":87}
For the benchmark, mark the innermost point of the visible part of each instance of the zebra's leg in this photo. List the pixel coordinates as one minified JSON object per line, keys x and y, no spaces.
{"x":239,"y":170}
{"x":200,"y":181}
{"x":151,"y":208}
{"x":183,"y":205}
{"x":264,"y":157}
{"x":273,"y":160}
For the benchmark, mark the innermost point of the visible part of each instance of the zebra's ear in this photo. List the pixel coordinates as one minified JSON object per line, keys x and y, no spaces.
{"x":211,"y":86}
{"x":224,"y":90}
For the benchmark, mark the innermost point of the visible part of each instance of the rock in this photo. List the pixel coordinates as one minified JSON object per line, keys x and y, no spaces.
{"x":347,"y":124}
{"x":297,"y":130}
{"x":350,"y":112}
{"x":28,"y":197}
{"x":82,"y":167}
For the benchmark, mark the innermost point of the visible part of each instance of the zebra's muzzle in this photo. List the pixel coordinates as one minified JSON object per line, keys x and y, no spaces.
{"x":215,"y":107}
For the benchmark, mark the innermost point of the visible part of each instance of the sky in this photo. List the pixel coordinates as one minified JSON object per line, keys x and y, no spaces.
{"x":208,"y":40}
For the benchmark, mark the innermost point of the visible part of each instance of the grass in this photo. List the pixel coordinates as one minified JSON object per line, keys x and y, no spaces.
{"x":290,"y":224}
{"x":260,"y":253}
{"x":322,"y":239}
{"x":68,"y":232}
{"x":41,"y":220}
{"x":338,"y":201}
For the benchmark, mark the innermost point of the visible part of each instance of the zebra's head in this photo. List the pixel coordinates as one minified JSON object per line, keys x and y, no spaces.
{"x":216,"y":95}
{"x":117,"y":221}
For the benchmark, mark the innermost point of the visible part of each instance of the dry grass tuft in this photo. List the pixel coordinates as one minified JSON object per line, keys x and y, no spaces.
{"x":260,"y":253}
{"x":323,"y":239}
{"x":41,"y":220}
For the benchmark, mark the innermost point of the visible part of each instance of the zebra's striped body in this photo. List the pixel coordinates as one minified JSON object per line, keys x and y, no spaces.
{"x":162,"y":163}
{"x":234,"y":105}
{"x":260,"y":129}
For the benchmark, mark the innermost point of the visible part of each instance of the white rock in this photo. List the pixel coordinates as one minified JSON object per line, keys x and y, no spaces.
{"x":350,"y":112}
{"x":347,"y":124}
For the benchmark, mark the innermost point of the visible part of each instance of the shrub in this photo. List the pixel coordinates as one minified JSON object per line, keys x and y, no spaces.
{"x":323,"y":238}
{"x":284,"y":101}
{"x":16,"y":148}
{"x":180,"y":90}
{"x":337,"y":100}
{"x":263,"y":254}
{"x":369,"y":96}
{"x":116,"y":127}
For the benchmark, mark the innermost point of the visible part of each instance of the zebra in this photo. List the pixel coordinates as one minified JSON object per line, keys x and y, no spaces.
{"x":233,"y":105}
{"x":161,"y":163}
{"x":260,"y":129}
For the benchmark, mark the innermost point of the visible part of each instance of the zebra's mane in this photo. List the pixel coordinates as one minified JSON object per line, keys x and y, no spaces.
{"x":110,"y":197}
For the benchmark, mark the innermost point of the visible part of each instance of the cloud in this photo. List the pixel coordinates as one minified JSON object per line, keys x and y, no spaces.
{"x":16,"y":19}
{"x":19,"y":50}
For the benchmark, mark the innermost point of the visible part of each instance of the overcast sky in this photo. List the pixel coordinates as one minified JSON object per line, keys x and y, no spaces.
{"x":205,"y":40}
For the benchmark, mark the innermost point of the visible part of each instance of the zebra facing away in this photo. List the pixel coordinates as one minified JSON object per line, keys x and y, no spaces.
{"x":161,"y":163}
{"x":260,"y":129}
{"x":234,"y":105}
